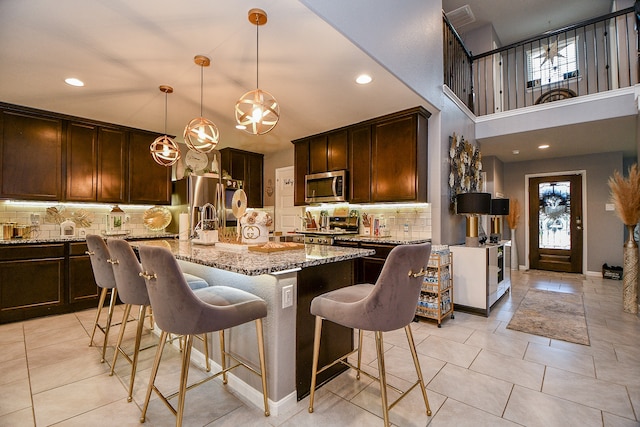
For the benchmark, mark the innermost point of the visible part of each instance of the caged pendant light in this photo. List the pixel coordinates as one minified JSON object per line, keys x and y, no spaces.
{"x":257,"y":111}
{"x":164,"y":149}
{"x":201,"y":134}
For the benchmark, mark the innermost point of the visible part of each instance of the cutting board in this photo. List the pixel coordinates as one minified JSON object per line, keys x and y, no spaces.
{"x":269,"y":250}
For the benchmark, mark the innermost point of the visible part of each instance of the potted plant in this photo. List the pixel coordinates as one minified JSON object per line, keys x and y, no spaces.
{"x":625,"y":194}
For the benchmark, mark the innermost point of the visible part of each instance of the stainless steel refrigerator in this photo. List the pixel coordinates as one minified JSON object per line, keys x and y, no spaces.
{"x":202,"y":196}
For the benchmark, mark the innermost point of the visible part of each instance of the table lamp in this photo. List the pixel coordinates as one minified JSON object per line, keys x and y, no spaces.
{"x":499,"y":207}
{"x":473,"y":205}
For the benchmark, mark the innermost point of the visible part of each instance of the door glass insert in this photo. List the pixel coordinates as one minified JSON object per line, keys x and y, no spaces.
{"x":555,"y":215}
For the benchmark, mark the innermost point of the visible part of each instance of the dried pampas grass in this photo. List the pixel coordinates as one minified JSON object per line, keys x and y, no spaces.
{"x":625,"y":194}
{"x":514,"y":214}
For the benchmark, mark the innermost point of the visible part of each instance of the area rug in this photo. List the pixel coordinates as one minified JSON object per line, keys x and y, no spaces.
{"x":555,"y":315}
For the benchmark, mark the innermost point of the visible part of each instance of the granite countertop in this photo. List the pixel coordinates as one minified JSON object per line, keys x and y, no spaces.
{"x":58,"y":239}
{"x":255,"y":263}
{"x":386,"y":240}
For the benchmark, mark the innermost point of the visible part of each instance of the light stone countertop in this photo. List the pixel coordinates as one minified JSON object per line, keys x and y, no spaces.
{"x":33,"y":241}
{"x":385,"y":240}
{"x":256,"y":263}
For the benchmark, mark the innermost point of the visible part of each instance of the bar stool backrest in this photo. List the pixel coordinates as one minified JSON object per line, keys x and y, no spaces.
{"x":99,"y":254}
{"x":126,"y":268}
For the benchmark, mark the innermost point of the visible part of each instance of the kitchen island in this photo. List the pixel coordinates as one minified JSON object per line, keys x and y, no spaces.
{"x":287,"y":281}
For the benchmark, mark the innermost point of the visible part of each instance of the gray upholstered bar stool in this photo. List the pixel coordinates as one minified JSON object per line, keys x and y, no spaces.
{"x":388,"y":305}
{"x":132,"y":290}
{"x":103,"y":274}
{"x":179,"y":310}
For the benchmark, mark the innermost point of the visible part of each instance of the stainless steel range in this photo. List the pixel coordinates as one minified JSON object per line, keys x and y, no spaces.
{"x":338,"y":226}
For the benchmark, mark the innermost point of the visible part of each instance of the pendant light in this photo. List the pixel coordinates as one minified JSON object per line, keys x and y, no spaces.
{"x":164,"y":149}
{"x":257,"y":111}
{"x":201,"y":134}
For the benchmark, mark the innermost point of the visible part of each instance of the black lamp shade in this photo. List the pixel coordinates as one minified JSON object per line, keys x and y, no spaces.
{"x":473,"y":203}
{"x":499,"y":206}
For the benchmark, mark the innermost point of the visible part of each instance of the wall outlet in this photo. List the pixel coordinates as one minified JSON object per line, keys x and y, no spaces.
{"x":287,"y":296}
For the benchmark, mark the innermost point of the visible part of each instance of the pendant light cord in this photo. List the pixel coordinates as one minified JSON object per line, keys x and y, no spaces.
{"x":257,"y":49}
{"x":165,"y":113}
{"x":201,"y":90}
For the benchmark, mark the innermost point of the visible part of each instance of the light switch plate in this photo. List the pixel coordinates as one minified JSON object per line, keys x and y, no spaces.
{"x":609,"y":207}
{"x":287,"y":296}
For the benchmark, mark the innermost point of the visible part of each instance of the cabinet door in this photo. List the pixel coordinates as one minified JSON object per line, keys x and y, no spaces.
{"x":82,"y":284}
{"x":253,"y":180}
{"x":360,"y":164}
{"x":318,"y":154}
{"x":149,"y":182}
{"x":394,"y":157}
{"x":337,"y":149}
{"x":31,"y":159}
{"x":301,"y":168}
{"x":82,"y":154}
{"x":112,"y":156}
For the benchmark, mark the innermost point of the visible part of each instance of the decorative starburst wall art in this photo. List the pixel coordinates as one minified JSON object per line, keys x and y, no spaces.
{"x":465,"y":163}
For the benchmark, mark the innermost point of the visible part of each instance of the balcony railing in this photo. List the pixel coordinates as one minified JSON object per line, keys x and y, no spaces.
{"x":590,"y":57}
{"x":457,"y":65}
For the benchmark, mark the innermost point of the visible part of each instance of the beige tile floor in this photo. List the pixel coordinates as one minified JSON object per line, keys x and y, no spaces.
{"x":478,"y":372}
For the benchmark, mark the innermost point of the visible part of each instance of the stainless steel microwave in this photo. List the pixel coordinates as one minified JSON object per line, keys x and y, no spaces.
{"x":326,"y":187}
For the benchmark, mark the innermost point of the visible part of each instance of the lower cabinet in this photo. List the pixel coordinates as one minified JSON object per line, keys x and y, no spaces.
{"x":367,"y":269}
{"x":43,"y":279}
{"x":482,"y":276}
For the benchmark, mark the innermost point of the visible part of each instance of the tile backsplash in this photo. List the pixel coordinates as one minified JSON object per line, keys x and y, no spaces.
{"x":21,"y":214}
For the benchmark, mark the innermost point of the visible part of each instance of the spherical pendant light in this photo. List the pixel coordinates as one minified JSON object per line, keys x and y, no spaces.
{"x":164,"y":149}
{"x":201,"y":134}
{"x":257,"y":111}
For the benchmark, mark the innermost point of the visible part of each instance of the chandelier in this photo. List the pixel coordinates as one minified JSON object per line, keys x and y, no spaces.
{"x":201,"y":134}
{"x":164,"y":149}
{"x":257,"y":111}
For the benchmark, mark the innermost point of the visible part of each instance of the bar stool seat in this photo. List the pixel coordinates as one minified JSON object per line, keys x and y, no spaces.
{"x":180,"y":310}
{"x":388,"y":305}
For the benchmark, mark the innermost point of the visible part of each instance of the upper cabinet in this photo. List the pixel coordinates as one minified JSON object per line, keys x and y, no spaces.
{"x":248,"y":167}
{"x":31,"y":156}
{"x":149,"y":182}
{"x":48,"y":156}
{"x":386,"y":158}
{"x":96,"y":163}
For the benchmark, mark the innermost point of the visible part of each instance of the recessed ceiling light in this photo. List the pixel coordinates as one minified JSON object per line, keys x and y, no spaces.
{"x":363,"y":79}
{"x":515,"y":152}
{"x":543,"y":146}
{"x":241,"y":127}
{"x":72,"y":81}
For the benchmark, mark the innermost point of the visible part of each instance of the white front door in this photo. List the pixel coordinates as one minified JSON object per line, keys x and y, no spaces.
{"x":287,"y":216}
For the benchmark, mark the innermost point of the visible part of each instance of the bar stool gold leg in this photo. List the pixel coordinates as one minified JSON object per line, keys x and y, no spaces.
{"x":416,"y":362}
{"x":103,"y":297}
{"x":383,"y":377}
{"x":205,"y":340}
{"x":263,"y":367}
{"x":136,"y":350}
{"x":359,"y":353}
{"x":184,"y":374}
{"x":154,"y":373}
{"x":123,"y":325}
{"x":223,"y":358}
{"x":112,"y":304}
{"x":314,"y":366}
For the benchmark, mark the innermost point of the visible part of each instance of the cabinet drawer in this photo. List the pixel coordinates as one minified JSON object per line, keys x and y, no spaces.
{"x":20,"y":252}
{"x":78,"y":248}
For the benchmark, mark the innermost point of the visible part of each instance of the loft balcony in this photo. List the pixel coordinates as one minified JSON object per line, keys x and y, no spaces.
{"x":592,"y":57}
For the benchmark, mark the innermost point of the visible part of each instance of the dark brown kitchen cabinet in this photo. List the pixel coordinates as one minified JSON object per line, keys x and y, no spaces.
{"x":149,"y":182}
{"x":96,"y":164}
{"x":32,"y":281}
{"x":360,"y":164}
{"x":328,"y":151}
{"x":83,"y":290}
{"x":300,"y":169}
{"x":247,"y":167}
{"x":31,"y":156}
{"x":399,"y":159}
{"x":385,"y":157}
